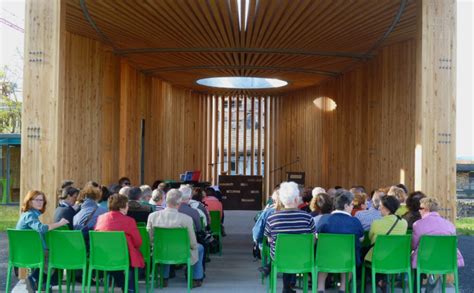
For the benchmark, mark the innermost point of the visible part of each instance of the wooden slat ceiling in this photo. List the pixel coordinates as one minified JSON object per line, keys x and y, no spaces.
{"x":301,"y":41}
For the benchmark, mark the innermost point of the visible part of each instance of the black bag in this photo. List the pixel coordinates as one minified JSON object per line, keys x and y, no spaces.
{"x":256,"y":251}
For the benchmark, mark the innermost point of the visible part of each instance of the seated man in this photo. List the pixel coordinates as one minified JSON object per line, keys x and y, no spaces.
{"x":137,"y":210}
{"x":373,"y":213}
{"x":186,"y":209}
{"x":171,"y":218}
{"x":289,"y":220}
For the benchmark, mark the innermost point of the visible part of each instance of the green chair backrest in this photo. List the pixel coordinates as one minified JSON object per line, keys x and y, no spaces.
{"x":141,"y":224}
{"x":391,"y":253}
{"x":215,"y":221}
{"x":145,"y":247}
{"x":437,"y":254}
{"x":294,"y":253}
{"x":108,"y":251}
{"x":26,"y":248}
{"x":330,"y":245}
{"x":171,"y":245}
{"x":65,"y":227}
{"x":67,"y":249}
{"x":410,"y":231}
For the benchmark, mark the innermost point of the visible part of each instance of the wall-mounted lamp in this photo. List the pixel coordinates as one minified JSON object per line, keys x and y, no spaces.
{"x":325,"y":104}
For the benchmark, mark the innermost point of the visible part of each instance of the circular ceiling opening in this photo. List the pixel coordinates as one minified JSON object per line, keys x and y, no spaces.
{"x":241,"y":82}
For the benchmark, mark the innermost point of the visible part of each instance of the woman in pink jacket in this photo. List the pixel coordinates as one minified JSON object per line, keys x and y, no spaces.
{"x":431,"y":223}
{"x":117,"y":220}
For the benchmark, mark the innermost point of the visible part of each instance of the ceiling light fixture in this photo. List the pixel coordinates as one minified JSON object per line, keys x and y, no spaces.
{"x":325,"y":104}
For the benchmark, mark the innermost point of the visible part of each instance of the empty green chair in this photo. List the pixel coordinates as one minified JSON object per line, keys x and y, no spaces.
{"x":391,"y":256}
{"x":26,"y":251}
{"x":171,"y":246}
{"x":328,"y":247}
{"x":216,"y":227}
{"x":294,"y":254}
{"x":145,"y":250}
{"x":67,"y":251}
{"x":108,"y":252}
{"x":437,"y":255}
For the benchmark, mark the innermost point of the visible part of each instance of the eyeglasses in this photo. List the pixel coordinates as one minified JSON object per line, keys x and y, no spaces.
{"x":38,"y":200}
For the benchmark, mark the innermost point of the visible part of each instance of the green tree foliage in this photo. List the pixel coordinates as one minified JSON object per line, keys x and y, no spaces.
{"x":10,"y":106}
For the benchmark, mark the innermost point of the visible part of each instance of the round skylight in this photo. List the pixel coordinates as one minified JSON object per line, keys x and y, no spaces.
{"x":240,"y":82}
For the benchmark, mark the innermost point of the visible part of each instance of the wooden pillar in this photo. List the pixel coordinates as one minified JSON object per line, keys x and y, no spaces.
{"x":435,"y":149}
{"x":43,"y":99}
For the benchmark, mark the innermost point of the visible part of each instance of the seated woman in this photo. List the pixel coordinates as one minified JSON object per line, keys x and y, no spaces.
{"x":259,"y":227}
{"x":322,"y":206}
{"x":86,"y":218}
{"x":400,"y":194}
{"x":32,"y":207}
{"x":388,"y":224}
{"x":117,"y":220}
{"x":431,"y":223}
{"x":66,"y":208}
{"x":359,"y":202}
{"x":341,"y":222}
{"x":196,"y":203}
{"x":413,"y":205}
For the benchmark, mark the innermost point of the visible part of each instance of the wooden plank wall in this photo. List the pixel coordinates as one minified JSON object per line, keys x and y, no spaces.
{"x":369,"y":138}
{"x":436,"y":102}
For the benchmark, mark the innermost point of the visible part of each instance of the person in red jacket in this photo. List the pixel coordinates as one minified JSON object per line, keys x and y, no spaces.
{"x":117,"y":220}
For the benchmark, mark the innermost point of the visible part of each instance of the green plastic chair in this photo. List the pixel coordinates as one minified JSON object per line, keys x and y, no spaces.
{"x":216,"y":228}
{"x":141,"y":224}
{"x":391,"y":256}
{"x":294,"y":254}
{"x":437,"y":255}
{"x":67,"y":251}
{"x":145,"y":250}
{"x":108,"y":252}
{"x":26,"y":251}
{"x":265,"y":254}
{"x":171,"y":246}
{"x":342,"y":246}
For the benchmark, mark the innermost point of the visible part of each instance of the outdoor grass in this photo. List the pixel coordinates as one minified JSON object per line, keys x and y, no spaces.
{"x":8,"y":217}
{"x":465,"y":226}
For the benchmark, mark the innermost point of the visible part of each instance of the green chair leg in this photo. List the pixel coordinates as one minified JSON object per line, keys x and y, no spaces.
{"x":305,"y":283}
{"x":190,"y":277}
{"x":48,"y":279}
{"x":136,"y":279}
{"x":40,"y":282}
{"x":97,"y":281}
{"x":374,"y":288}
{"x":362,"y":280}
{"x":9,"y":276}
{"x":125,"y":289}
{"x":418,"y":281}
{"x":83,"y":283}
{"x":392,"y":283}
{"x":444,"y":283}
{"x":106,"y":282}
{"x":456,"y":283}
{"x":354,"y":280}
{"x":89,"y":280}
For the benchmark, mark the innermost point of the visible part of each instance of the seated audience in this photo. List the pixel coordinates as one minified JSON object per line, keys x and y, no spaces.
{"x":359,"y":202}
{"x":413,"y":205}
{"x":34,"y":204}
{"x":373,"y":213}
{"x":66,"y":208}
{"x":157,"y":199}
{"x":171,"y":218}
{"x":431,"y":223}
{"x":389,"y":224}
{"x":105,"y":196}
{"x":86,"y":218}
{"x":305,"y":200}
{"x":117,"y":220}
{"x":400,"y":194}
{"x":259,"y":227}
{"x":124,"y":181}
{"x":289,"y":220}
{"x":212,"y":203}
{"x":136,"y":209}
{"x":322,"y":206}
{"x":317,"y":190}
{"x":186,"y":209}
{"x":341,"y":222}
{"x":196,"y":203}
{"x":146,"y":195}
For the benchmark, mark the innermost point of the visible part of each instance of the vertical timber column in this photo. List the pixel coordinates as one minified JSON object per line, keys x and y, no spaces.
{"x":43,"y":94}
{"x":435,"y":150}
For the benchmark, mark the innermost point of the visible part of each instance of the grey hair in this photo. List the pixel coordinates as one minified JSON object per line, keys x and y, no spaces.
{"x":146,"y":190}
{"x":186,"y":192}
{"x":343,"y":197}
{"x":157,"y":195}
{"x":125,"y":190}
{"x":377,"y":199}
{"x":289,"y":191}
{"x":173,"y":197}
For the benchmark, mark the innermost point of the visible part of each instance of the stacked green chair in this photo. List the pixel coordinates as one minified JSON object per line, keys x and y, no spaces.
{"x":294,"y":254}
{"x":437,"y":255}
{"x":26,"y":251}
{"x":216,"y":228}
{"x":391,"y":256}
{"x":108,"y":252}
{"x":171,"y":246}
{"x":342,"y":246}
{"x":67,"y":251}
{"x":145,"y":250}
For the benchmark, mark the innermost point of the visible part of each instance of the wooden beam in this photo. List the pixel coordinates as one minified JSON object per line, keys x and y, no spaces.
{"x":435,"y":165}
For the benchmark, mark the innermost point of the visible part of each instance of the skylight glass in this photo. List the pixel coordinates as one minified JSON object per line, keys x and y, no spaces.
{"x":238,"y":82}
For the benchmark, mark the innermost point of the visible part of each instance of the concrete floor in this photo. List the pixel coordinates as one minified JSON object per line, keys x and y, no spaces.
{"x":235,"y":270}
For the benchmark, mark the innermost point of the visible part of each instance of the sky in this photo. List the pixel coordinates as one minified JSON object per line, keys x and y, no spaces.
{"x":12,"y":40}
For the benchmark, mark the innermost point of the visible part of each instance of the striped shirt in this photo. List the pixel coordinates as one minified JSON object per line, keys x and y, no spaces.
{"x":291,"y":221}
{"x":367,"y":217}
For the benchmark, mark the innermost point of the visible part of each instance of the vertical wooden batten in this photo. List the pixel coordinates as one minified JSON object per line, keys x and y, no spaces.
{"x":435,"y":166}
